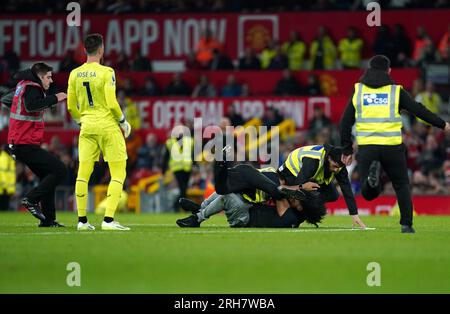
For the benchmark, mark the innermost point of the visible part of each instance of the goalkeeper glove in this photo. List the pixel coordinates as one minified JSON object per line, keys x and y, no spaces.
{"x":125,"y":126}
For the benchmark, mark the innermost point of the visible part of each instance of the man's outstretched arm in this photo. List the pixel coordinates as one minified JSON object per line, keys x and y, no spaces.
{"x":346,"y":188}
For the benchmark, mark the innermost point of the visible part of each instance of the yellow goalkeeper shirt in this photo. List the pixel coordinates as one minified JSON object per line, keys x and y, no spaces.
{"x":91,"y":96}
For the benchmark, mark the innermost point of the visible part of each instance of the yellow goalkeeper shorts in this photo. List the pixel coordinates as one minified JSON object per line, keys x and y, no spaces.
{"x":109,"y":141}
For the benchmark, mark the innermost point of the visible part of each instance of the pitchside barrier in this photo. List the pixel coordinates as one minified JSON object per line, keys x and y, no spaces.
{"x":152,"y":199}
{"x":158,"y":115}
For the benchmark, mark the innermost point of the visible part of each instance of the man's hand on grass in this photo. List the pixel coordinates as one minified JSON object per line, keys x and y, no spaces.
{"x":357,"y":222}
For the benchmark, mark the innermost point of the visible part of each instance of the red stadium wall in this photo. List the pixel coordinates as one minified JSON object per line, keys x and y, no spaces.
{"x":159,"y":114}
{"x":174,"y":36}
{"x":423,"y":205}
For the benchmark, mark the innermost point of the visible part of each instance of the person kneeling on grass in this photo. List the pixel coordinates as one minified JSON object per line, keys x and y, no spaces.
{"x":241,"y":213}
{"x":243,"y":187}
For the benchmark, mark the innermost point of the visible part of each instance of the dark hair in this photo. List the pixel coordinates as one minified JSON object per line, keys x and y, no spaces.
{"x":380,"y":62}
{"x":335,"y":154}
{"x":92,"y":42}
{"x":313,"y":208}
{"x":41,"y":68}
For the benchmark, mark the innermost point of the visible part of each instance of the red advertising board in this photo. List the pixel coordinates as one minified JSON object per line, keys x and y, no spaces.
{"x":423,"y":205}
{"x":174,"y":36}
{"x":162,"y":113}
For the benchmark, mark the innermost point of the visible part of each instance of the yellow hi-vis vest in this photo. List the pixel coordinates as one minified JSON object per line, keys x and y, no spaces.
{"x":180,"y":155}
{"x":431,"y":103}
{"x":7,"y":174}
{"x":260,"y":196}
{"x":295,"y":160}
{"x":378,"y":121}
{"x":351,"y":52}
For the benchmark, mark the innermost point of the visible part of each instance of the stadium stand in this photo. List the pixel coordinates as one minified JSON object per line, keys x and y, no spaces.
{"x":282,"y":71}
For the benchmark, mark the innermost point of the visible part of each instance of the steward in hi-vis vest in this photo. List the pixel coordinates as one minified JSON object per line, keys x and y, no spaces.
{"x":179,"y":158}
{"x":27,"y":103}
{"x":315,"y":167}
{"x":374,"y":108}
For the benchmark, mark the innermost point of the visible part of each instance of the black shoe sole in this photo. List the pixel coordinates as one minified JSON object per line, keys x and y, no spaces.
{"x":189,"y":205}
{"x":51,"y":226}
{"x":181,"y":224}
{"x":36,"y":213}
{"x":374,"y":173}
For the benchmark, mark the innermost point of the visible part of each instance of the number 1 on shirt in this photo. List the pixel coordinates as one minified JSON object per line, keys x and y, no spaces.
{"x":88,"y":90}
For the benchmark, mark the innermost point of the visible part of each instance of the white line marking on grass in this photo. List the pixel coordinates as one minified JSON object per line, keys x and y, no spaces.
{"x":273,"y":230}
{"x":187,"y":231}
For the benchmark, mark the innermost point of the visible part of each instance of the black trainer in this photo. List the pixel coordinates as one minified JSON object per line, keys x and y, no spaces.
{"x":189,"y":222}
{"x":408,"y":229}
{"x":189,"y":205}
{"x":33,"y":208}
{"x":53,"y":223}
{"x":296,"y":194}
{"x":374,"y":174}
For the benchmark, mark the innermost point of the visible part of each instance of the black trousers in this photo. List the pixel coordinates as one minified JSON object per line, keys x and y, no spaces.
{"x":393,"y":161}
{"x":329,"y":193}
{"x":243,"y":178}
{"x":4,"y":201}
{"x":182,"y":178}
{"x":49,"y":169}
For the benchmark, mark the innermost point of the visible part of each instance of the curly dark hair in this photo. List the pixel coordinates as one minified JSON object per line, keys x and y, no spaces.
{"x":314,"y":209}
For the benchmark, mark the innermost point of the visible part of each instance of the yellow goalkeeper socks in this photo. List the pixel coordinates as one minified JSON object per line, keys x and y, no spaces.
{"x":118,"y":174}
{"x":81,"y":186}
{"x":81,"y":191}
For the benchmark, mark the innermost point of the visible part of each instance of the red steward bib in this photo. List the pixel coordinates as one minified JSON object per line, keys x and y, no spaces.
{"x":25,"y":127}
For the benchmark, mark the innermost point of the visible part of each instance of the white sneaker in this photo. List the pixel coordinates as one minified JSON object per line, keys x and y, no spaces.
{"x":113,"y":225}
{"x":85,"y":226}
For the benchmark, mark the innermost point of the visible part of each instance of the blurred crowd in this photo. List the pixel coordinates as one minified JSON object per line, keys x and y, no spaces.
{"x":428,"y":148}
{"x":323,"y":53}
{"x":428,"y":152}
{"x":181,"y":6}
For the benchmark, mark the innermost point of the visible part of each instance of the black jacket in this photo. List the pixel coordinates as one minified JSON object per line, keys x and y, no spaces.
{"x":266,"y":216}
{"x":35,"y":100}
{"x":309,"y":169}
{"x":376,"y":78}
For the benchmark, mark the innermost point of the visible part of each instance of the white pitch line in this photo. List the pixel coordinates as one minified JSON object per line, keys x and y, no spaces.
{"x":184,"y":231}
{"x":272,"y":231}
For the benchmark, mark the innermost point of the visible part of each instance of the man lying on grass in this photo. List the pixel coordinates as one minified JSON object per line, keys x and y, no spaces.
{"x":241,"y":213}
{"x":255,"y":198}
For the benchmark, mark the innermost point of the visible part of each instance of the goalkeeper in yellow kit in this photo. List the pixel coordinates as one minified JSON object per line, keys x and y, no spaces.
{"x":91,"y":100}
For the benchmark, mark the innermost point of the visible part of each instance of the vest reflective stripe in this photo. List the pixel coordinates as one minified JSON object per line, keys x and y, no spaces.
{"x":391,"y":118}
{"x":25,"y":118}
{"x":16,"y":115}
{"x":310,"y":152}
{"x":381,"y":134}
{"x":260,"y":196}
{"x":377,"y":123}
{"x":25,"y":127}
{"x":19,"y":105}
{"x":294,"y":160}
{"x":183,"y":160}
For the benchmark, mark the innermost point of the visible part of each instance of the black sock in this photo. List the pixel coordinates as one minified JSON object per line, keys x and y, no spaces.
{"x":82,"y":219}
{"x":108,"y":219}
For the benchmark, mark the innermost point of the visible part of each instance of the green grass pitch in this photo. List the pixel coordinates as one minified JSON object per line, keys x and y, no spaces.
{"x":156,"y":256}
